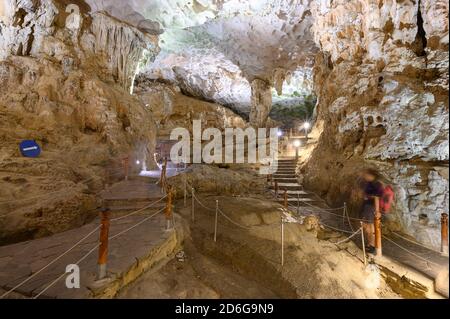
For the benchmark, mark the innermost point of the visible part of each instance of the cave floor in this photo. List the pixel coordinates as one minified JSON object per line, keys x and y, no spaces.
{"x":245,"y":260}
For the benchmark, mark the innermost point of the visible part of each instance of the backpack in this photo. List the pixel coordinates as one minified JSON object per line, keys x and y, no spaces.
{"x":387,"y":199}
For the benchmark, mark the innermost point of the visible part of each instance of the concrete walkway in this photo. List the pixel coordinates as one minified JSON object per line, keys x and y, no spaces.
{"x":137,"y":242}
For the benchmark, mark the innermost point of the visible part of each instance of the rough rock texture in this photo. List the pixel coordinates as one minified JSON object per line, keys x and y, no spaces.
{"x":72,"y":99}
{"x":215,"y":49}
{"x":261,"y":103}
{"x":123,"y":46}
{"x":212,"y":180}
{"x":202,"y":75}
{"x":382,"y":84}
{"x":171,"y":109}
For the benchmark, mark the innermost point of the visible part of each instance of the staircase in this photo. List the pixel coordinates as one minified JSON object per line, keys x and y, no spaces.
{"x":287,"y":181}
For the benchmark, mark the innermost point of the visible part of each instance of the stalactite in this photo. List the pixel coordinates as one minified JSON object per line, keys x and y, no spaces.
{"x":123,"y":44}
{"x":261,"y":103}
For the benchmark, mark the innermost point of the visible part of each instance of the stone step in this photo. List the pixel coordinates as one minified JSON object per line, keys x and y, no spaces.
{"x":126,"y":202}
{"x":285,"y":171}
{"x":285,"y":179}
{"x":294,"y":200}
{"x":294,"y":194}
{"x":136,"y":206}
{"x":288,"y":186}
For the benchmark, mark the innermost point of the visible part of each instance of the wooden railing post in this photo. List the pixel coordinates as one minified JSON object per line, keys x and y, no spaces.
{"x":162,"y":179}
{"x":168,"y":211}
{"x":216,"y":220}
{"x":103,"y":248}
{"x":276,"y":189}
{"x":285,"y":199}
{"x":185,"y":189}
{"x":444,"y":234}
{"x":125,"y":165}
{"x":282,"y":241}
{"x":377,"y":225}
{"x":193,"y":204}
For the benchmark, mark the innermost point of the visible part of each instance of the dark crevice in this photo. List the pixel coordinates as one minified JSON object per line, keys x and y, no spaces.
{"x":420,"y":42}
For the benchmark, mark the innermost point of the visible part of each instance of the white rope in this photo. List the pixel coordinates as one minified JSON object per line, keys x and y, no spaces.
{"x":138,"y":211}
{"x":137,"y":224}
{"x":201,"y":204}
{"x":326,"y":210}
{"x":51,"y":263}
{"x":93,"y":249}
{"x":348,"y":219}
{"x":64,"y":274}
{"x":231,"y":221}
{"x":336,"y":229}
{"x":76,"y":244}
{"x":330,"y":213}
{"x":416,"y":243}
{"x":412,"y":253}
{"x":348,"y":238}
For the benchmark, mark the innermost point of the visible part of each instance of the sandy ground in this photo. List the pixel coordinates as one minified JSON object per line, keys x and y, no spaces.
{"x":197,"y":277}
{"x":245,"y":260}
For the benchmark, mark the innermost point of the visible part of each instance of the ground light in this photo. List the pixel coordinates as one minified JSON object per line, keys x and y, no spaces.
{"x":280,"y":133}
{"x":306,"y":127}
{"x":297,"y":145}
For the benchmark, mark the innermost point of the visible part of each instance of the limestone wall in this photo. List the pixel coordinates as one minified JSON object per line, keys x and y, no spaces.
{"x":65,"y":78}
{"x":382,"y":85}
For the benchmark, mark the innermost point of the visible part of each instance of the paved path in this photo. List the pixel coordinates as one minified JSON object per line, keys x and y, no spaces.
{"x":19,"y":261}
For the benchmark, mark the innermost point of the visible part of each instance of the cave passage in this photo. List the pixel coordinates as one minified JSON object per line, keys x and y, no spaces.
{"x":224,"y":149}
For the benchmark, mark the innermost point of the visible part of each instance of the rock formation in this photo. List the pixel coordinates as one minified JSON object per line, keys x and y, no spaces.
{"x":66,"y":88}
{"x":382,"y":85}
{"x":379,"y":69}
{"x":261,"y":103}
{"x":171,"y":109}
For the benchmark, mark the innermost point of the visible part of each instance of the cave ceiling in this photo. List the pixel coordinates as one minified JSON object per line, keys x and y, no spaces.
{"x":213,"y":49}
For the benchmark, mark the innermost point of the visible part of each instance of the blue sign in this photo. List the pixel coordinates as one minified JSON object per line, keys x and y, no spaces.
{"x":30,"y":148}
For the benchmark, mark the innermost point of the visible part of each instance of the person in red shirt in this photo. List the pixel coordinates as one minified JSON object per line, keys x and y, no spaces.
{"x":372,"y":190}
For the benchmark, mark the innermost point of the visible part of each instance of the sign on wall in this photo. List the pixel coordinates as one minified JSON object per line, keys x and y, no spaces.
{"x":30,"y":148}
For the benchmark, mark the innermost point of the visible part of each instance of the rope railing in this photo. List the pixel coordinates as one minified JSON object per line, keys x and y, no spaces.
{"x":233,"y":222}
{"x":50,"y":263}
{"x":94,"y":248}
{"x":329,"y":210}
{"x":415,"y":242}
{"x":221,"y":212}
{"x":410,"y":252}
{"x":354,"y":233}
{"x":350,"y":237}
{"x":139,"y":210}
{"x":82,"y":240}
